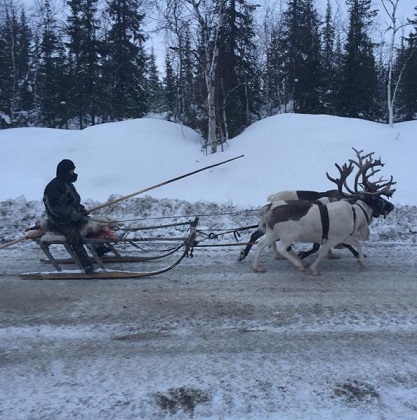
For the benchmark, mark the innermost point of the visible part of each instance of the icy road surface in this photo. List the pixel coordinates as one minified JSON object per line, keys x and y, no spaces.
{"x":211,"y":339}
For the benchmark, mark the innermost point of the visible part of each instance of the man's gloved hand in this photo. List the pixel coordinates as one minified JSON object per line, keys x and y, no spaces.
{"x":84,"y":220}
{"x":84,"y":212}
{"x":79,"y":218}
{"x":75,"y":217}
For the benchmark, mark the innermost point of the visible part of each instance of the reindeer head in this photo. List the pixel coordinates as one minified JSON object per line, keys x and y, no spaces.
{"x":380,"y":206}
{"x":364,"y":189}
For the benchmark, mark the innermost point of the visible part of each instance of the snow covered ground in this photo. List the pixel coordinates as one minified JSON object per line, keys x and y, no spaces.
{"x":209,"y":339}
{"x":283,"y":152}
{"x":213,"y":340}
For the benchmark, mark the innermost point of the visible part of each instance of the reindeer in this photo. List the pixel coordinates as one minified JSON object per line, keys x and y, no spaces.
{"x":260,"y":231}
{"x":316,"y":197}
{"x":301,"y":221}
{"x":305,"y":195}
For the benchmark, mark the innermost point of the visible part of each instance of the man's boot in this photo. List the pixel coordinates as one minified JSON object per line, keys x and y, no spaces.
{"x":102,"y":250}
{"x":84,"y":258}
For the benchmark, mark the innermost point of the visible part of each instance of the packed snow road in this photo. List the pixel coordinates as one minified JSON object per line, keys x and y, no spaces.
{"x":212,"y":339}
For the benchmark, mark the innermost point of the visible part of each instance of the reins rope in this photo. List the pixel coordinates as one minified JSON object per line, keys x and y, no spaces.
{"x":179,"y":216}
{"x":212,"y":235}
{"x":206,"y":233}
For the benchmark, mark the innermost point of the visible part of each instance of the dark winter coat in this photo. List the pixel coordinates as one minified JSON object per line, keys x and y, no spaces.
{"x":61,"y":199}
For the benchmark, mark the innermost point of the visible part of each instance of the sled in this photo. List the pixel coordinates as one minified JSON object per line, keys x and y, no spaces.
{"x":116,"y":246}
{"x":38,"y":232}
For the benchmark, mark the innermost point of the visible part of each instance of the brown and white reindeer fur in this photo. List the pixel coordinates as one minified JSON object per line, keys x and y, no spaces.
{"x":276,"y":201}
{"x":301,"y":222}
{"x":305,"y":195}
{"x":317,"y":197}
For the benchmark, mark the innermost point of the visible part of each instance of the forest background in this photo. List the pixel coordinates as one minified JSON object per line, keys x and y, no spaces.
{"x":224,"y":65}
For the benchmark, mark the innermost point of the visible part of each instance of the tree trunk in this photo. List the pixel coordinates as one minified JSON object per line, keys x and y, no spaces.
{"x":212,"y":122}
{"x":391,"y":95}
{"x":211,"y":82}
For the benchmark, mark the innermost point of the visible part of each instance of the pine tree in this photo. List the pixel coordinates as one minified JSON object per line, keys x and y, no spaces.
{"x":274,"y":75}
{"x":125,"y":61}
{"x":329,"y":62}
{"x":83,"y":51}
{"x":170,"y":91}
{"x":154,"y":87}
{"x":300,"y":44}
{"x":358,"y":94}
{"x":381,"y":90}
{"x":25,"y":76}
{"x":50,"y":86}
{"x":16,"y":99}
{"x":237,"y":83}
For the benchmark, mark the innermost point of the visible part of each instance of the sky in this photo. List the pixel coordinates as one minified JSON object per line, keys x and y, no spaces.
{"x":405,"y":8}
{"x":283,"y":152}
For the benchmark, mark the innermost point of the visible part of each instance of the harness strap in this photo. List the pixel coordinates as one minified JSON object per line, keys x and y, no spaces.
{"x":324,"y":215}
{"x":364,"y":212}
{"x":354,"y":220}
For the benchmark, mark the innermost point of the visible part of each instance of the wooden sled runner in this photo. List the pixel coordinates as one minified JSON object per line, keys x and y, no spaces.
{"x":180,"y":250}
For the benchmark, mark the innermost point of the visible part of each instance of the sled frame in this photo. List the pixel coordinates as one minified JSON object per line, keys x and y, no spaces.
{"x":185,"y":245}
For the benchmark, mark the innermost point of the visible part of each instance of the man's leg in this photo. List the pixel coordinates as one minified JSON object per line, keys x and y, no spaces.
{"x":75,"y":241}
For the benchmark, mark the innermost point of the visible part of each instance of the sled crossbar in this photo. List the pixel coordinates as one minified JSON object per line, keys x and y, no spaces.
{"x":134,"y":229}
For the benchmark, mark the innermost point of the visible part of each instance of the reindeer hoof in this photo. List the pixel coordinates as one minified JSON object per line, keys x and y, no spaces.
{"x":259,"y":270}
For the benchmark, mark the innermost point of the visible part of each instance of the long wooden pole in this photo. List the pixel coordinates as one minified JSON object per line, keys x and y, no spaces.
{"x":30,"y":235}
{"x":16,"y":241}
{"x":109,"y":203}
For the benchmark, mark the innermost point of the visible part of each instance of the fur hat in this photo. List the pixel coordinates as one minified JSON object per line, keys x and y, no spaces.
{"x":64,"y":167}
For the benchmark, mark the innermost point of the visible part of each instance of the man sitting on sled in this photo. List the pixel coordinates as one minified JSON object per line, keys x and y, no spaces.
{"x":65,"y":212}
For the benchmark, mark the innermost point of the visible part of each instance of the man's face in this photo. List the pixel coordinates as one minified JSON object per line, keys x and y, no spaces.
{"x":72,"y":175}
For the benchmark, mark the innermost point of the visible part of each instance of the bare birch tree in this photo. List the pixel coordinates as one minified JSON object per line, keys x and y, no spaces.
{"x":210,"y":37}
{"x":390,"y":7}
{"x":205,"y":18}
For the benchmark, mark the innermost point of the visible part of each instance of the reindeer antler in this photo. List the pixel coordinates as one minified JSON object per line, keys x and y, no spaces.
{"x":341,"y":182}
{"x":367,"y":168}
{"x":367,"y":163}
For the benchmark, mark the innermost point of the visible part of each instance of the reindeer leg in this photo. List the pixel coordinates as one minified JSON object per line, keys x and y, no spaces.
{"x":266,"y":241}
{"x":305,"y":254}
{"x":361,"y":256}
{"x":352,"y":250}
{"x":351,"y":243}
{"x":275,"y":250}
{"x":322,"y":253}
{"x":293,"y":258}
{"x":254,"y":237}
